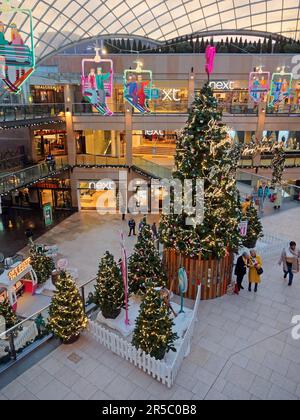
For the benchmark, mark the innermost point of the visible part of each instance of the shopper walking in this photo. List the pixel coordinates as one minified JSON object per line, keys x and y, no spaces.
{"x":241,"y":269}
{"x":154,"y":231}
{"x":132,"y":225}
{"x":290,"y":260}
{"x":255,"y":270}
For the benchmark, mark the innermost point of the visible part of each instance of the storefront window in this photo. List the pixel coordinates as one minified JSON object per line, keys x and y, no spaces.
{"x":50,"y":141}
{"x":47,"y":94}
{"x":93,"y":196}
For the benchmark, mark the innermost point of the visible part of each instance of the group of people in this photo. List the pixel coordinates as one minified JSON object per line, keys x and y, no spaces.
{"x":260,"y":195}
{"x":253,"y":263}
{"x":132,"y":228}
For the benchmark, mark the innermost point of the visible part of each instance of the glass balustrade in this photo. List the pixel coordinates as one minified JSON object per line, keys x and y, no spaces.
{"x":9,"y":113}
{"x":23,"y":177}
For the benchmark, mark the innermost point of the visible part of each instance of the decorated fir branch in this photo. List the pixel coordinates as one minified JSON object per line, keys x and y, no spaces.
{"x":255,"y":228}
{"x":66,"y":314}
{"x":145,"y":263}
{"x":41,"y":264}
{"x":278,"y":165}
{"x":8,"y":314}
{"x":109,"y":290}
{"x":153,"y":330}
{"x":205,"y":151}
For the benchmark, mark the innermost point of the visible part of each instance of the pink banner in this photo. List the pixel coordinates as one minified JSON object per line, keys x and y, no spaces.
{"x":210,"y":54}
{"x":125,"y":276}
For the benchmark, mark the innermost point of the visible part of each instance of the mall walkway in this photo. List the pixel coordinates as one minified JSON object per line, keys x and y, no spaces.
{"x":242,"y":347}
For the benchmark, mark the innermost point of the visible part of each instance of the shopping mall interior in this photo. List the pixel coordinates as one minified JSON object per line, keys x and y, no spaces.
{"x":104,"y":106}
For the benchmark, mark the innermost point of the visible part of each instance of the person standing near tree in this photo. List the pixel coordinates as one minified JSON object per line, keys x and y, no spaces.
{"x":132,"y":225}
{"x":255,"y":270}
{"x":290,"y":260}
{"x":241,"y":269}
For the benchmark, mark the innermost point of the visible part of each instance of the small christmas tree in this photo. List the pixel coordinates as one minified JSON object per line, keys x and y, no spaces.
{"x":255,"y":229}
{"x":67,"y":318}
{"x":278,"y":165}
{"x":42,"y":265}
{"x":8,"y":313}
{"x":153,"y":330}
{"x":109,"y":290}
{"x":145,"y":263}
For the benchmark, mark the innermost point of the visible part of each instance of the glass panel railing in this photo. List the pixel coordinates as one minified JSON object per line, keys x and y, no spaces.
{"x":23,"y":177}
{"x":9,"y":113}
{"x":99,"y":160}
{"x":152,"y":168}
{"x":33,"y":331}
{"x":248,"y":182}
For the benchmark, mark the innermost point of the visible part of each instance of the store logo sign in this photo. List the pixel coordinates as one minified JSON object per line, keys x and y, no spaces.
{"x":171,"y":95}
{"x":296,"y":67}
{"x":19,"y":269}
{"x":222,"y":85}
{"x":104,"y":184}
{"x":154,"y":133}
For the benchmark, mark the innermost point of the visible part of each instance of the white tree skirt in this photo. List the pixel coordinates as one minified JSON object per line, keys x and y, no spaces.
{"x":181,"y":323}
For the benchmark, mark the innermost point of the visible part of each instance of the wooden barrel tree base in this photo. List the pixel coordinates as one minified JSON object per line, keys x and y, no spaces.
{"x":214,"y":275}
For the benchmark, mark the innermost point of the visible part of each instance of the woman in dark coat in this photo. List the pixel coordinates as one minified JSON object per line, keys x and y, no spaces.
{"x":241,"y":269}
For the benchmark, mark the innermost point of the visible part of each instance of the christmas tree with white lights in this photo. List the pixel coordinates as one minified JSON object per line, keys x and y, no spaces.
{"x":8,"y":314}
{"x":109,"y":289}
{"x":67,"y":317}
{"x":41,"y":263}
{"x":278,"y":165}
{"x":153,"y":330}
{"x":204,"y":151}
{"x":145,"y":263}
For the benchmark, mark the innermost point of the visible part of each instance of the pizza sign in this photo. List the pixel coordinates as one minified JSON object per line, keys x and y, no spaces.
{"x":17,"y":271}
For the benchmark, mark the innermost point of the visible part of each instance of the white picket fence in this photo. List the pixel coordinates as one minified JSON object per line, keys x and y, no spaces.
{"x":159,"y":369}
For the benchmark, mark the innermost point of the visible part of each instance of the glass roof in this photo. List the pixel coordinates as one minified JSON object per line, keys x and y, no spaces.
{"x":59,"y":23}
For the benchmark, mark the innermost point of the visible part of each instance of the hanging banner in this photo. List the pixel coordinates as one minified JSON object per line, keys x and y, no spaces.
{"x":243,"y":227}
{"x":210,"y":55}
{"x":259,"y":85}
{"x":17,"y":59}
{"x":97,"y":82}
{"x":138,"y":88}
{"x":281,"y":87}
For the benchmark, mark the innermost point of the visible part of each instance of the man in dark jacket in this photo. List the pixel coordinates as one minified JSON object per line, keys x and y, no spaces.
{"x":241,"y":269}
{"x":131,"y":225}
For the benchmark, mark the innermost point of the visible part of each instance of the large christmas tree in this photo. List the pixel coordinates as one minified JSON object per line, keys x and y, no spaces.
{"x":41,"y":263}
{"x":66,"y":314}
{"x":204,"y":151}
{"x":278,"y":165}
{"x":255,"y":228}
{"x":8,"y":313}
{"x":153,"y":330}
{"x":109,"y":289}
{"x":145,"y":263}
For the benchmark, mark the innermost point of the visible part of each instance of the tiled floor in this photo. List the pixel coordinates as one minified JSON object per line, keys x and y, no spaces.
{"x":242,"y":347}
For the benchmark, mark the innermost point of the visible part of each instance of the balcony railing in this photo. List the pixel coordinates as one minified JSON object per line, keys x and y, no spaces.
{"x":10,"y":113}
{"x":24,"y":177}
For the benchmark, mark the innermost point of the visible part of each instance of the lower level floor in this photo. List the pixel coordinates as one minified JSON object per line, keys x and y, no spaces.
{"x":242,"y":347}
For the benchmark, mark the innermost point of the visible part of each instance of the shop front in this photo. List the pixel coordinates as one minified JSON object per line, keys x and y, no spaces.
{"x":16,"y":280}
{"x":47,"y":94}
{"x":56,"y":192}
{"x":98,"y":195}
{"x":47,"y":142}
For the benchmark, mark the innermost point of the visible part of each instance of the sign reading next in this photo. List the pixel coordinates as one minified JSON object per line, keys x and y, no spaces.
{"x":15,"y":272}
{"x":222,"y":85}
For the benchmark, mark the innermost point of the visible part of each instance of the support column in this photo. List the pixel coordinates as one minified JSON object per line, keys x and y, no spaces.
{"x":191,"y":92}
{"x":71,"y":139}
{"x":69,"y":97}
{"x":128,"y":133}
{"x":261,"y":121}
